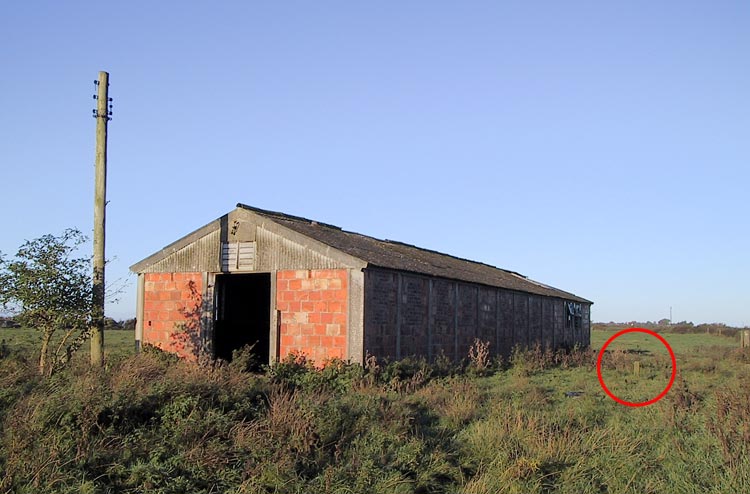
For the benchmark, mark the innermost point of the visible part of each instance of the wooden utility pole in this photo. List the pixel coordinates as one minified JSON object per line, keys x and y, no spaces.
{"x":102,"y":115}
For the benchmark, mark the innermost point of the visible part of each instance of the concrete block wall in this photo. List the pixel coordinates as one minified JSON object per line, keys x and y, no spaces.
{"x":408,"y":314}
{"x":467,"y":318}
{"x":381,"y":313}
{"x":413,"y":307}
{"x":443,"y":316}
{"x":167,"y":296}
{"x":314,"y":306}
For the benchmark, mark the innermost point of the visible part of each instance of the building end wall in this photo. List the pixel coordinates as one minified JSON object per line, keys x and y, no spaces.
{"x":314,"y":310}
{"x":172,"y":311}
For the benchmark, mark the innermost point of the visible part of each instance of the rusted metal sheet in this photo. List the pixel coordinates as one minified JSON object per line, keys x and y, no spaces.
{"x":202,"y":255}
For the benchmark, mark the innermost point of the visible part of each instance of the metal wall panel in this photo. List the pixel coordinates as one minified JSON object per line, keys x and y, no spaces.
{"x":201,"y":255}
{"x":275,"y":252}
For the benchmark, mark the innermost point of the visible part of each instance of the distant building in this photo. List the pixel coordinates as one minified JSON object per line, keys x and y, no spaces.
{"x":289,"y":284}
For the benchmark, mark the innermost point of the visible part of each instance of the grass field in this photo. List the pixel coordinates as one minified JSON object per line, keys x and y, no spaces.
{"x":682,"y":344}
{"x":690,"y":350}
{"x":540,"y":424}
{"x":24,"y":340}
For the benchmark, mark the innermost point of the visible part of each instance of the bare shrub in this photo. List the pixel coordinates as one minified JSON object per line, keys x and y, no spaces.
{"x":527,"y":361}
{"x":479,"y":357}
{"x":576,"y":357}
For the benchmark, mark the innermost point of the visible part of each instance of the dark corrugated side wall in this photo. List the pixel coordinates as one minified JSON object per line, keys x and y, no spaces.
{"x":408,"y":314}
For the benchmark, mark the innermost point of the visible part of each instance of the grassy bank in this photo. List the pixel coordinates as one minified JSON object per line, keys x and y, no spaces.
{"x":539,"y":424}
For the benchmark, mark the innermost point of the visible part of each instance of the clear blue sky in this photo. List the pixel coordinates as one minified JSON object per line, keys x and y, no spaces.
{"x":600,"y":147}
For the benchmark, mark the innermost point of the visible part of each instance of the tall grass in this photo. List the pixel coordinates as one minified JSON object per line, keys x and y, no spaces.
{"x":538,"y":424}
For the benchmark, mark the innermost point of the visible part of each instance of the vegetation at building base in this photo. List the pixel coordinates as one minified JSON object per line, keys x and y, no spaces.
{"x":536,"y":423}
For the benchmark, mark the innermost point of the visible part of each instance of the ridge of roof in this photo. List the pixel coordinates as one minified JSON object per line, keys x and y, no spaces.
{"x":285,"y":216}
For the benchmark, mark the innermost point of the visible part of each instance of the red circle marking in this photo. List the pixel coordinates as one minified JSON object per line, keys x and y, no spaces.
{"x":630,"y":403}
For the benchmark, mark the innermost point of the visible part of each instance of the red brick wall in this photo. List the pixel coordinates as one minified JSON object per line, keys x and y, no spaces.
{"x":314,"y":306}
{"x":167,"y":297}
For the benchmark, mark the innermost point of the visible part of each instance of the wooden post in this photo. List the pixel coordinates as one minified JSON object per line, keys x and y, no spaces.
{"x":637,"y":368}
{"x":100,"y":203}
{"x":745,"y":338}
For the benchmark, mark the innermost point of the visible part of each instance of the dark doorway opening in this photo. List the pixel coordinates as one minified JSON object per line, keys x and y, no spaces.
{"x":243,"y":315}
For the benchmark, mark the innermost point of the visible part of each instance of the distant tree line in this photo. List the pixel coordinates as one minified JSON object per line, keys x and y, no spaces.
{"x":665,"y":326}
{"x":110,"y":324}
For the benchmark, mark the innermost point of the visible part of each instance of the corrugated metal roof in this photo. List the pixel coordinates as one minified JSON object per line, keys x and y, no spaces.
{"x":404,"y":257}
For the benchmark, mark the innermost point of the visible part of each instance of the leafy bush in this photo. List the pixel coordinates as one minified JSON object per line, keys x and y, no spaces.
{"x":51,"y":291}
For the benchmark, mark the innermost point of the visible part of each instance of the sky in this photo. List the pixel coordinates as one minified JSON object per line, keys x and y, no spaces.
{"x":599,"y":147}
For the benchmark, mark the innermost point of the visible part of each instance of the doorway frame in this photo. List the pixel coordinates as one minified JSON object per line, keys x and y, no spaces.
{"x":274,"y":325}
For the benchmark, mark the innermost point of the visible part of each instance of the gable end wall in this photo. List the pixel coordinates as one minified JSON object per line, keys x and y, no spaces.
{"x":171,"y":317}
{"x":314,"y":309}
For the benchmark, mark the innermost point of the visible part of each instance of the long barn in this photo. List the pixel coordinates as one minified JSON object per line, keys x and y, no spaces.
{"x":288,"y":284}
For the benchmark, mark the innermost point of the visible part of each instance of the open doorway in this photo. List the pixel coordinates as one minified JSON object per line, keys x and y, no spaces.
{"x":243,"y":315}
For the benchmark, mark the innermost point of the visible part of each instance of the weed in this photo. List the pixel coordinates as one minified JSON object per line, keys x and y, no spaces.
{"x":244,"y":359}
{"x":480,"y":363}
